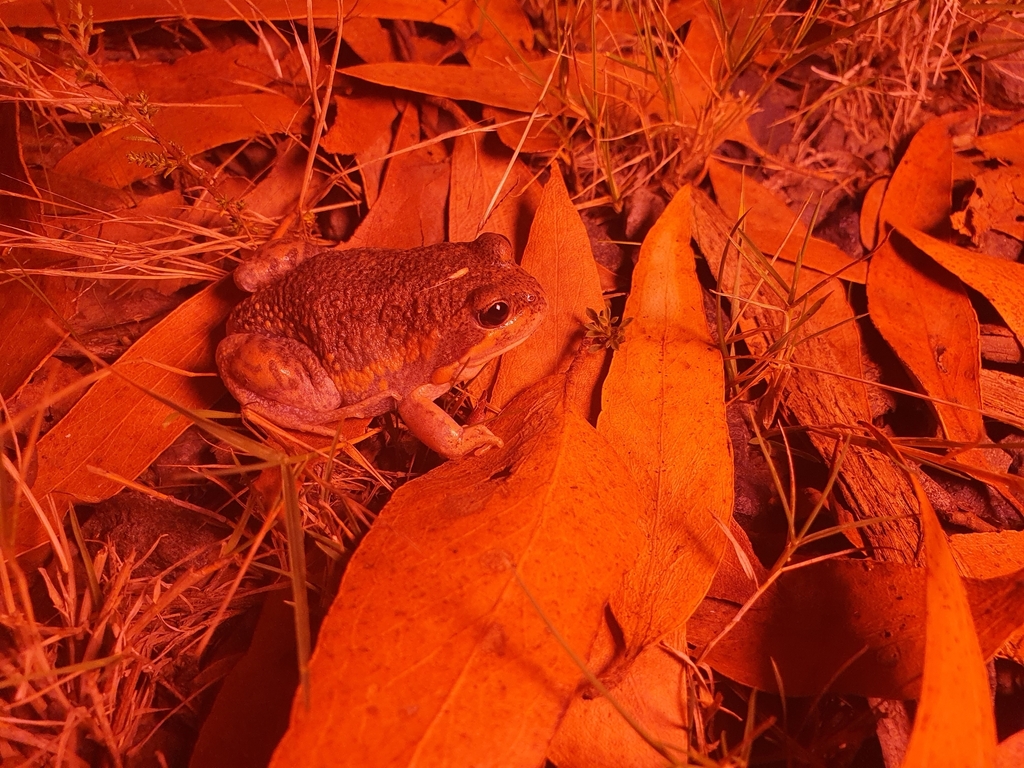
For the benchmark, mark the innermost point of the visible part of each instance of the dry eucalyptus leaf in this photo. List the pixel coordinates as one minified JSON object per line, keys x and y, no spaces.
{"x":409,"y":212}
{"x":558,"y":254}
{"x":954,"y":723}
{"x":845,"y":626}
{"x":433,"y":653}
{"x":119,"y":428}
{"x":998,"y":280}
{"x":194,"y":127}
{"x":663,"y":408}
{"x":923,"y":311}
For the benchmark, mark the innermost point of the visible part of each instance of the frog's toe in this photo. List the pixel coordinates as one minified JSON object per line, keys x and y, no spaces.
{"x":477,"y":439}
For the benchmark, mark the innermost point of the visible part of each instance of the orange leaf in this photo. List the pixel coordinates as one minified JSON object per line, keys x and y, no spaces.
{"x":358,"y":123}
{"x":37,"y":13}
{"x":1010,"y":753}
{"x":31,"y":313}
{"x":242,"y":68}
{"x":496,"y":86}
{"x":924,"y":314}
{"x":195,"y":127}
{"x":921,"y":310}
{"x":954,"y":724}
{"x":988,"y":555}
{"x":558,"y":254}
{"x":544,"y":134}
{"x":369,"y":39}
{"x":500,"y":30}
{"x":998,"y":280}
{"x":768,"y":221}
{"x":249,"y":716}
{"x":432,"y":653}
{"x":29,"y":330}
{"x":117,"y":427}
{"x":409,"y":212}
{"x":869,"y":212}
{"x":478,"y":167}
{"x":594,"y":734}
{"x":1005,"y":145}
{"x":663,"y":409}
{"x":920,"y":191}
{"x":830,"y":626}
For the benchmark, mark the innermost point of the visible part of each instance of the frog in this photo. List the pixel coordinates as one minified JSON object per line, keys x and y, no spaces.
{"x":330,"y":334}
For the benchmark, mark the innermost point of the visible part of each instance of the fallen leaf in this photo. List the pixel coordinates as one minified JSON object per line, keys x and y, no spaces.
{"x":998,"y":280}
{"x":925,"y":315}
{"x":478,"y":168}
{"x":558,"y":254}
{"x":955,"y":723}
{"x":31,"y":327}
{"x":197,"y":77}
{"x":32,"y":309}
{"x":152,"y":220}
{"x":1005,"y":145}
{"x":358,"y":124}
{"x":1010,"y":753}
{"x":615,"y":28}
{"x":768,"y":222}
{"x":409,"y":212}
{"x":432,"y":653}
{"x":988,"y":555}
{"x":994,"y":204}
{"x":250,"y":713}
{"x":277,"y":193}
{"x":618,"y":86}
{"x":369,"y":39}
{"x":920,"y":192}
{"x":194,"y":127}
{"x":36,"y":13}
{"x":496,"y":86}
{"x":869,"y":213}
{"x":845,"y":626}
{"x":663,"y":408}
{"x":922,"y":311}
{"x":501,"y":31}
{"x":594,"y":734}
{"x":119,"y":429}
{"x":543,"y":134}
{"x":714,"y":115}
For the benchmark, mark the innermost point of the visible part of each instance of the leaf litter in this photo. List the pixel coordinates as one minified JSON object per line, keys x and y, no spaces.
{"x":734,"y":494}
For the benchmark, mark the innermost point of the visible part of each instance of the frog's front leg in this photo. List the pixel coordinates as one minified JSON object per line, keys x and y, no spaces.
{"x":437,"y":430}
{"x":283,"y":380}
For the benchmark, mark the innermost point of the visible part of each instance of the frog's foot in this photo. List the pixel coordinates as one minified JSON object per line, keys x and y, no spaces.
{"x":282,"y":380}
{"x":279,"y":377}
{"x":438,"y":431}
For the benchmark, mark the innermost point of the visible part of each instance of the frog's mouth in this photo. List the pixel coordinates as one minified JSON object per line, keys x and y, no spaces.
{"x":494,"y":345}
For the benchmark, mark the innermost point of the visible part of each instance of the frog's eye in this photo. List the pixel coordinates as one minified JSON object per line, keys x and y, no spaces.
{"x":496,"y":314}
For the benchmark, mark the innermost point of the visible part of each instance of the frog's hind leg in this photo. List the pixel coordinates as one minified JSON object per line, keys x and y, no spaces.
{"x":279,"y":378}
